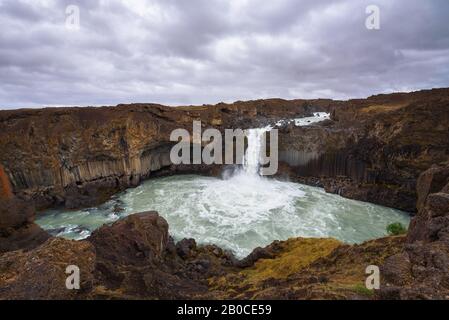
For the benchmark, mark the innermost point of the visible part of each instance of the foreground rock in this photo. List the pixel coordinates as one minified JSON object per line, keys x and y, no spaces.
{"x":421,"y":269}
{"x":41,"y":273}
{"x":307,"y":269}
{"x":130,"y":260}
{"x":136,"y":258}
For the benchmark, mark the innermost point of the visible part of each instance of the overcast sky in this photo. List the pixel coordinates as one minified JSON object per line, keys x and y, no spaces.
{"x":181,"y":52}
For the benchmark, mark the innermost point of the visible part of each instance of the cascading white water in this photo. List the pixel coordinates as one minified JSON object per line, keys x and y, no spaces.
{"x":251,"y":159}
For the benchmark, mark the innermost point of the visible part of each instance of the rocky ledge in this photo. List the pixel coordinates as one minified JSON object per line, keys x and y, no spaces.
{"x":135,"y":258}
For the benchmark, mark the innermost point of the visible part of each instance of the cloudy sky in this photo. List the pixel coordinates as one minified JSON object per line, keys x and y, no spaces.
{"x":206,"y":51}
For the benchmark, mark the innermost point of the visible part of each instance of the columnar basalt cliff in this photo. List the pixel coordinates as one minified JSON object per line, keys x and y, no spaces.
{"x":421,"y":269}
{"x":80,"y":156}
{"x":374,"y":149}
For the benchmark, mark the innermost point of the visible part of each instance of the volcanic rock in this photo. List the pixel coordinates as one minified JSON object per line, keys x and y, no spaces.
{"x":41,"y":273}
{"x":421,"y":270}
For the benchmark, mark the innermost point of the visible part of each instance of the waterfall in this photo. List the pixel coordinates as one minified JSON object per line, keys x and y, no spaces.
{"x":251,"y":159}
{"x":252,"y":156}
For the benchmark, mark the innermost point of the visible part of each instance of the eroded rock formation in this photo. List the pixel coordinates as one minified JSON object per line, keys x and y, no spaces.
{"x":17,"y":229}
{"x":374,"y":149}
{"x":421,"y":269}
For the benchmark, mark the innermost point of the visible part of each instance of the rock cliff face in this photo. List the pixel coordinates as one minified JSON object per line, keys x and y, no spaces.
{"x":421,"y":269}
{"x":372,"y":150}
{"x":80,"y":156}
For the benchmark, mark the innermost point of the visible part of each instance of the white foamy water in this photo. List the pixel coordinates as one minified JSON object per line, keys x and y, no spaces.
{"x":239,"y":213}
{"x":252,"y":155}
{"x":305,"y":121}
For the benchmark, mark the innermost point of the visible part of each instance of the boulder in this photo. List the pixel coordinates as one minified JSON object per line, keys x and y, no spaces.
{"x":138,"y":239}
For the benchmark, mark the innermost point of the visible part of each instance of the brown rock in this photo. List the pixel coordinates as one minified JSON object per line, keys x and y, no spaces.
{"x":138,"y":239}
{"x":135,"y":259}
{"x":421,"y":271}
{"x":438,"y":203}
{"x":5,"y":186}
{"x":17,"y":229}
{"x":41,"y":272}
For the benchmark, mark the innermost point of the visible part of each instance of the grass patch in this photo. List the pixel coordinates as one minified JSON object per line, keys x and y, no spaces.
{"x":396,"y":229}
{"x":363,"y":291}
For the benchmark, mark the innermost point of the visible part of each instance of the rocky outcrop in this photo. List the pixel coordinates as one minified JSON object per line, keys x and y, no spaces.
{"x":17,"y":227}
{"x":307,"y":269}
{"x":135,"y":258}
{"x":130,"y":260}
{"x":421,"y":269}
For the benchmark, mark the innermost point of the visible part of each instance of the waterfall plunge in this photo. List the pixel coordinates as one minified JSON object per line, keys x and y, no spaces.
{"x":251,"y":159}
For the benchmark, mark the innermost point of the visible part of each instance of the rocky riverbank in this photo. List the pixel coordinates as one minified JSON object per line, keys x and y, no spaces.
{"x":135,"y":258}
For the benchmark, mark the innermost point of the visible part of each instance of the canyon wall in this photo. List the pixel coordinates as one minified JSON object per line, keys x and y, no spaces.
{"x":80,"y":156}
{"x":372,"y":150}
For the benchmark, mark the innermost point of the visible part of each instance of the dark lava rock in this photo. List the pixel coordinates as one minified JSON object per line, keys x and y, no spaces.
{"x":17,"y":229}
{"x":421,"y":270}
{"x":256,"y":254}
{"x":41,"y":273}
{"x":184,"y":247}
{"x":138,"y":239}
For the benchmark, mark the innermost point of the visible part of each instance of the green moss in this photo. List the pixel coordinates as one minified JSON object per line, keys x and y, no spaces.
{"x":396,"y":229}
{"x":363,"y":291}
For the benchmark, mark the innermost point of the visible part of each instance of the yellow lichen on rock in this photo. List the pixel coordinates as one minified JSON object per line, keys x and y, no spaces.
{"x":296,"y":254}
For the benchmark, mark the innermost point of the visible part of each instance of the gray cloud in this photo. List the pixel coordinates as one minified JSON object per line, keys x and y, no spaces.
{"x":203,"y":51}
